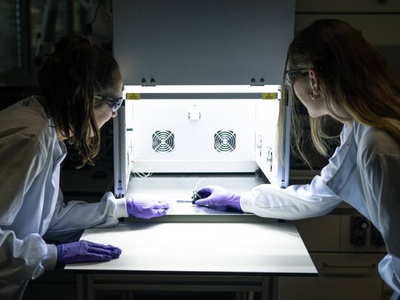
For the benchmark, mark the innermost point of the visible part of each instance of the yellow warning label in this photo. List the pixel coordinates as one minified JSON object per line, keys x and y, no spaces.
{"x":132,"y":96}
{"x":269,"y":96}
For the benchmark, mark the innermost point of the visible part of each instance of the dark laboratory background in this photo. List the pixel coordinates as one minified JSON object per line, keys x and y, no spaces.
{"x":28,"y":33}
{"x":30,"y":29}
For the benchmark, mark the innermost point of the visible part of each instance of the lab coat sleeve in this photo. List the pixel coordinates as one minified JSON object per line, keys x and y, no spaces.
{"x":76,"y":216}
{"x":293,"y":203}
{"x":26,"y":258}
{"x":298,"y":201}
{"x":381,"y":182}
{"x":22,"y":159}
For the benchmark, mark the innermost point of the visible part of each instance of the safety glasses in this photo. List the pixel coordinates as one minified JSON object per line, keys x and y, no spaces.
{"x":115,"y":104}
{"x":291,"y":75}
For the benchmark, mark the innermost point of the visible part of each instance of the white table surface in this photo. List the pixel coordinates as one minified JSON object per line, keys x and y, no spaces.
{"x":178,"y":191}
{"x":230,"y":248}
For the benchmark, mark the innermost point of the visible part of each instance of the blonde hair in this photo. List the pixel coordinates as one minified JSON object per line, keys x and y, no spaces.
{"x":353,"y":76}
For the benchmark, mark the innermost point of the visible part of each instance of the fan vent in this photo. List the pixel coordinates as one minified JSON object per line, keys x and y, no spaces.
{"x":163,"y":141}
{"x":225,"y":141}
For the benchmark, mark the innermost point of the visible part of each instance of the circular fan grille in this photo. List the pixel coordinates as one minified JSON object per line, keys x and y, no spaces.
{"x":224,"y":141}
{"x":163,"y":141}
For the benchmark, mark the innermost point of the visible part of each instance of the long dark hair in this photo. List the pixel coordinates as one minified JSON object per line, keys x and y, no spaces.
{"x":69,"y":78}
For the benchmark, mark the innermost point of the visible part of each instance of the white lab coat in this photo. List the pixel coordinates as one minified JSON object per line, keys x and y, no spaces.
{"x":31,"y":204}
{"x":364,"y":171}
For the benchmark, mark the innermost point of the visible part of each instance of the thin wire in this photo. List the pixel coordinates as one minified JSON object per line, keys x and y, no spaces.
{"x":195,"y":194}
{"x":142,"y":174}
{"x":197,"y":184}
{"x":95,"y":14}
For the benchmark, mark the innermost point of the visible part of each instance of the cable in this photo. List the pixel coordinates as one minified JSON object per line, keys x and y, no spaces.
{"x":195,"y":195}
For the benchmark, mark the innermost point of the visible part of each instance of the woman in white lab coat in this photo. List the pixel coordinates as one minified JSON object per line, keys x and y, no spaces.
{"x":336,"y":74}
{"x":82,"y":89}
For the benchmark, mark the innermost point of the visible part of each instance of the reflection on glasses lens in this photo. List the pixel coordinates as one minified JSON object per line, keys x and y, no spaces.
{"x":115,"y":104}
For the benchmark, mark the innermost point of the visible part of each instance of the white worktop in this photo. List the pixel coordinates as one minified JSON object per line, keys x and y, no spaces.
{"x":178,"y":190}
{"x":199,"y":240}
{"x":271,"y":248}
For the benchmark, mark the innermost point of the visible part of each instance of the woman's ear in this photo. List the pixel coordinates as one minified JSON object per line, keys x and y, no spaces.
{"x":314,"y":85}
{"x":314,"y":80}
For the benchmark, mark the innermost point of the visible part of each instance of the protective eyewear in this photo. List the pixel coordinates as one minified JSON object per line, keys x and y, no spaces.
{"x":291,"y":75}
{"x":115,"y":104}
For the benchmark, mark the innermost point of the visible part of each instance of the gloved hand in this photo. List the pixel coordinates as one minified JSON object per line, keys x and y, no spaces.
{"x":218,"y":197}
{"x":84,"y":251}
{"x":146,"y":209}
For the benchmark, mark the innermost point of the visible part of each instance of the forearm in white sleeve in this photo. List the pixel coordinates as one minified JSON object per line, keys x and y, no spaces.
{"x":293,"y":203}
{"x":78,"y":216}
{"x":26,"y":258}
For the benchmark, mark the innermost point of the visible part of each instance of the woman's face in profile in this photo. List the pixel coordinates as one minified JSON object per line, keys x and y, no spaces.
{"x":102,"y":111}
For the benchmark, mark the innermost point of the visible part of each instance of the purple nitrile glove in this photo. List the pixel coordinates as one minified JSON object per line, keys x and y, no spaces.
{"x":84,"y":251}
{"x":146,"y":209}
{"x":218,"y":197}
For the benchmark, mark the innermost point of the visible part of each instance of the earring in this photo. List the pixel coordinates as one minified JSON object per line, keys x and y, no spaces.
{"x":314,"y":94}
